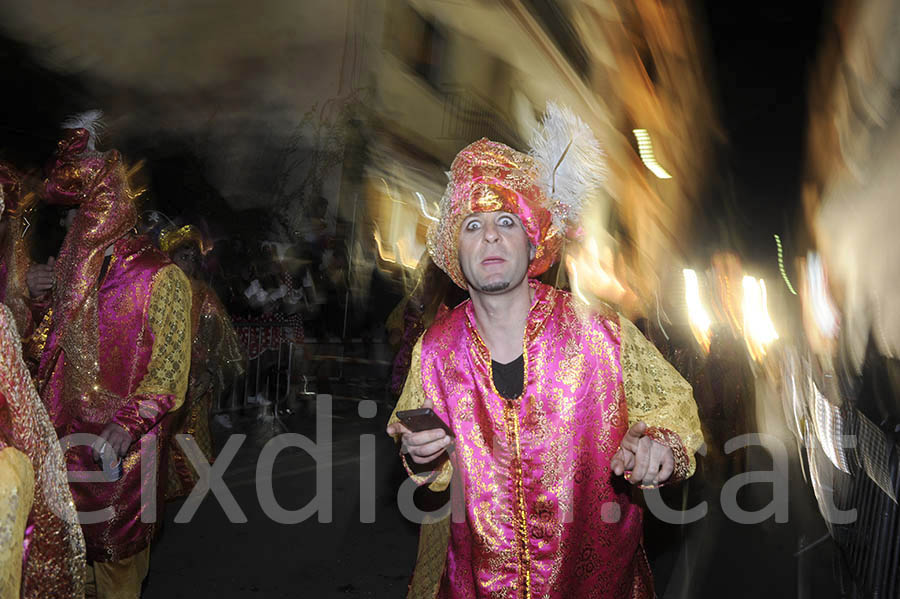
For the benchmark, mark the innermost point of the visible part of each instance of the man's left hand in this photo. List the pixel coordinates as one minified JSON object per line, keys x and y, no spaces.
{"x":117,"y":438}
{"x":651,"y":463}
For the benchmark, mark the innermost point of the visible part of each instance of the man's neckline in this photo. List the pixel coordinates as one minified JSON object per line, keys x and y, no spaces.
{"x":513,"y":361}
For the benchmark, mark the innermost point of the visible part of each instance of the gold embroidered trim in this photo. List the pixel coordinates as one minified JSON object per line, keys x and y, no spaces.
{"x":512,"y":422}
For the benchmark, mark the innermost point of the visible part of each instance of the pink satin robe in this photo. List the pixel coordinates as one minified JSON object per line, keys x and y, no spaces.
{"x":543,"y":515}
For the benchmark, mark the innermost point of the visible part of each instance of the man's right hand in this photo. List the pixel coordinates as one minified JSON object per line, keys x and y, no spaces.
{"x":40,"y":278}
{"x":424,"y":446}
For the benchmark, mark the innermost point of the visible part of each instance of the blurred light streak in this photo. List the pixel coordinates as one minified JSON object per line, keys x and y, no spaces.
{"x":728,"y":271}
{"x":697,"y":315}
{"x":422,"y":206}
{"x":824,"y":312}
{"x":759,"y":331}
{"x":781,"y":265}
{"x":573,"y":272}
{"x":645,"y":149}
{"x":405,"y":259}
{"x":381,"y":253}
{"x":594,"y":274}
{"x":828,"y":427}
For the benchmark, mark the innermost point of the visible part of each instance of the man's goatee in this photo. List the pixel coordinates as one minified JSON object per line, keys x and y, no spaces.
{"x":494,"y":287}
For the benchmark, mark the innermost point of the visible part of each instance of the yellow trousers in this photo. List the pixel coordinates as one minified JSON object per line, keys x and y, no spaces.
{"x":117,"y":580}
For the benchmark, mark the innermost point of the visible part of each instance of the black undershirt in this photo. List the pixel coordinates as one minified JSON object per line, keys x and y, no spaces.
{"x":509,"y":379}
{"x":104,"y":268}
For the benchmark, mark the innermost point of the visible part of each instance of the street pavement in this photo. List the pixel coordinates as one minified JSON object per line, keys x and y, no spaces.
{"x":211,"y":556}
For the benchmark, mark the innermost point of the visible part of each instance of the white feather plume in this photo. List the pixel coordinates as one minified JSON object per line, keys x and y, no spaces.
{"x":90,"y":120}
{"x":571,"y":163}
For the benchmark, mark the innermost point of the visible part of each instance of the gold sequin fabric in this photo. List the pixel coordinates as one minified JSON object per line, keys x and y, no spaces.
{"x":488,"y":176}
{"x":16,"y":495}
{"x":55,"y":567}
{"x":660,"y":397}
{"x":33,"y":345}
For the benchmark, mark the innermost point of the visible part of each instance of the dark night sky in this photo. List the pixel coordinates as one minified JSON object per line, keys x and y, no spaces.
{"x":761,"y":56}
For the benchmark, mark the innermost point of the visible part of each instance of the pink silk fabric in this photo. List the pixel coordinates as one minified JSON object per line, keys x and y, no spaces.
{"x":543,"y":516}
{"x":126,"y":343}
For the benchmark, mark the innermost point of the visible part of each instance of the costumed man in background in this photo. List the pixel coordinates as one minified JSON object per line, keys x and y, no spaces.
{"x":14,"y":260}
{"x":432,"y":296}
{"x":550,"y":403}
{"x":41,"y":545}
{"x":116,"y":358}
{"x":216,"y":357}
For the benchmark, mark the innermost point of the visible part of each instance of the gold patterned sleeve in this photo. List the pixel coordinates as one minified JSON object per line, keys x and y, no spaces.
{"x":657,"y":395}
{"x":16,"y":497}
{"x":163,"y":387}
{"x":412,"y":397}
{"x":170,"y":320}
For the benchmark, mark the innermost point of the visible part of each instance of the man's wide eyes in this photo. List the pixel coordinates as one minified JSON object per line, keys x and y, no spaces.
{"x":506,"y":221}
{"x":473,"y":225}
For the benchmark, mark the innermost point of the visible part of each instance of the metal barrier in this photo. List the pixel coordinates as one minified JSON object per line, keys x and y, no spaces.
{"x":276,"y":350}
{"x":871,"y":544}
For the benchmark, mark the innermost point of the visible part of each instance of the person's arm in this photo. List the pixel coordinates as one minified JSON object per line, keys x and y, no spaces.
{"x":163,"y":387}
{"x":414,"y":397}
{"x":659,"y":397}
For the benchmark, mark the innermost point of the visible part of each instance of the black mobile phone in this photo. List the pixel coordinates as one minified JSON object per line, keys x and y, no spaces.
{"x":422,"y":419}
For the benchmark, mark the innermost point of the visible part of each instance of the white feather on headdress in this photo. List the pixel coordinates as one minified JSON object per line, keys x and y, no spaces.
{"x":90,"y":120}
{"x":570,"y":161}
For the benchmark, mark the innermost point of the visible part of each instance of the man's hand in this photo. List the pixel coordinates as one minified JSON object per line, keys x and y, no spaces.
{"x":425,"y":446}
{"x":203,"y":382}
{"x":651,"y":463}
{"x":40,"y":278}
{"x":116,"y":437}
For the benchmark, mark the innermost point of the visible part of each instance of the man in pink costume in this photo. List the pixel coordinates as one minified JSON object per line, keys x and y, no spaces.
{"x":550,"y":403}
{"x":116,"y":357}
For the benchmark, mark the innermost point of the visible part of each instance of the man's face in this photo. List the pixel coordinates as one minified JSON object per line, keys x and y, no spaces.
{"x":187,"y":259}
{"x":494,"y":252}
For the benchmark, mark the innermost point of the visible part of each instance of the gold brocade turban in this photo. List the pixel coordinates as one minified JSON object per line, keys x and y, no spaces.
{"x":171,"y":239}
{"x":545,"y":188}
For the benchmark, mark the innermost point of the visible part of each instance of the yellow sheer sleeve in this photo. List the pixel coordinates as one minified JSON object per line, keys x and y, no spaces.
{"x":657,"y":395}
{"x":16,"y":497}
{"x":169,"y":314}
{"x":413,"y":397}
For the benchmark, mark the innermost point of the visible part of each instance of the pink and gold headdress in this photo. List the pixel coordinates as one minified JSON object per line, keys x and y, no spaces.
{"x":545,"y":188}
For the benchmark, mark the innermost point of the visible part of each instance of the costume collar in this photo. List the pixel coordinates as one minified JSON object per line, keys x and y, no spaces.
{"x":541,"y":306}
